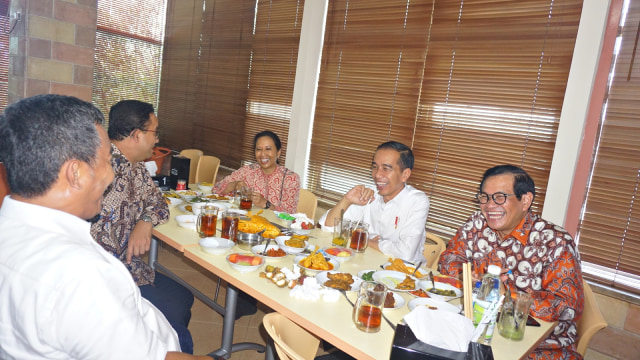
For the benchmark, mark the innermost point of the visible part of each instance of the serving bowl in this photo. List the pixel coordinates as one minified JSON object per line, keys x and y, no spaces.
{"x":205,"y":186}
{"x":173,"y":201}
{"x":433,"y":304}
{"x":247,"y":240}
{"x":244,"y":262}
{"x":187,"y":221}
{"x":188,"y":195}
{"x":216,"y":245}
{"x":323,"y":276}
{"x":280,"y":240}
{"x":426,"y":286}
{"x":310,"y":271}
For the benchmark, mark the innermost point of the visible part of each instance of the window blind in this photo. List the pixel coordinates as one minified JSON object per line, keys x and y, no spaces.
{"x":467,"y":84}
{"x":5,"y":23}
{"x":128,"y":52}
{"x":229,"y":69}
{"x":609,"y":231}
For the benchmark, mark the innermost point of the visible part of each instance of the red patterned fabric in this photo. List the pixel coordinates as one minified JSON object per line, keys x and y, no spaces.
{"x":283,"y":197}
{"x":544,"y":262}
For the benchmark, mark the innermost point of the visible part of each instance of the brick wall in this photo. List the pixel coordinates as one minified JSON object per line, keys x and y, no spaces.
{"x":51,"y":48}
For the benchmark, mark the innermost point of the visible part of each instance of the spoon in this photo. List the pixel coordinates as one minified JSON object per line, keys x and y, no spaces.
{"x":433,"y":283}
{"x":264,"y":252}
{"x":417,"y":267}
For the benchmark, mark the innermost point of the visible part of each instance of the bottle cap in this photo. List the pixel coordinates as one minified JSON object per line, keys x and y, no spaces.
{"x":494,"y":270}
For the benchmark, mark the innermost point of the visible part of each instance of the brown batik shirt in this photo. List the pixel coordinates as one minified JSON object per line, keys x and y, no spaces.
{"x":131,"y":195}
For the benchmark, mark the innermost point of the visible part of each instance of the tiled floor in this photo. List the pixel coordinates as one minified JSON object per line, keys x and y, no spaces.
{"x":206,"y":324}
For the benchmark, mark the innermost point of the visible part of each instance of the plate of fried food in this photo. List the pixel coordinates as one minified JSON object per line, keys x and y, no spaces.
{"x":405,"y":267}
{"x":395,"y":280}
{"x":292,"y":244}
{"x":315,"y":263}
{"x":216,"y":197}
{"x":339,"y":280}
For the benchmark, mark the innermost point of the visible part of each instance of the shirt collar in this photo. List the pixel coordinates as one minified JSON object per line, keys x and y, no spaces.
{"x":521,"y":232}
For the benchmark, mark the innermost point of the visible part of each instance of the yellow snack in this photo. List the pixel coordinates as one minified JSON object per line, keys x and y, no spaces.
{"x":295,"y":242}
{"x":406,"y":284}
{"x":398,"y":265}
{"x":316,"y":261}
{"x":257,"y":224}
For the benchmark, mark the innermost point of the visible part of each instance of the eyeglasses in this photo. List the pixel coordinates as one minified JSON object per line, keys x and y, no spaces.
{"x":157,"y":132}
{"x":499,"y":198}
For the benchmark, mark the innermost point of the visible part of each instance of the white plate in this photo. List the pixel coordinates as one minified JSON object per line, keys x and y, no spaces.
{"x":288,"y":249}
{"x":400,"y":301}
{"x":426,"y":285}
{"x":322,"y":277}
{"x":391,"y":278}
{"x":362,"y":272}
{"x":257,"y":249}
{"x":441,"y":305}
{"x":424,"y":272}
{"x":174,"y":201}
{"x":216,"y":245}
{"x":297,"y":259}
{"x":183,"y":206}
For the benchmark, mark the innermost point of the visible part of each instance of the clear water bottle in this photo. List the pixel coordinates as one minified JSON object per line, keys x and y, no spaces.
{"x":489,"y":293}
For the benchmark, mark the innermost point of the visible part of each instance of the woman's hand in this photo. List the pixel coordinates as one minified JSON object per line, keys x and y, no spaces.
{"x":233,"y":186}
{"x":259,"y":200}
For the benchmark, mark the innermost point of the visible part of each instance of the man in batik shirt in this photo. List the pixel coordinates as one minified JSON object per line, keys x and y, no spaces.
{"x":541,"y":256}
{"x":132,"y":206}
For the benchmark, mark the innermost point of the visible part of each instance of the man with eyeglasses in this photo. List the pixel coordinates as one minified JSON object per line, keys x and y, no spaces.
{"x":132,"y":206}
{"x":542,"y":257}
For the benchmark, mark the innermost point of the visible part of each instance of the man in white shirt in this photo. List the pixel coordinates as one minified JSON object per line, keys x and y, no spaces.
{"x":61,"y":295}
{"x":396,"y":213}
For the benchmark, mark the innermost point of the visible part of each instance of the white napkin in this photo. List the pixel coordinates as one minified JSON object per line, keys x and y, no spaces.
{"x":152,"y":167}
{"x":443,"y":329}
{"x":311,"y":290}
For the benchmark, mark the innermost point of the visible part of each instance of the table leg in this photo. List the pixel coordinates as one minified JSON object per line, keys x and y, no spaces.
{"x":153,"y":253}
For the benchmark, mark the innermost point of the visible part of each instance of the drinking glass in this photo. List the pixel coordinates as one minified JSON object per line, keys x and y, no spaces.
{"x":246,"y":198}
{"x":367,"y":311}
{"x":230,"y":222}
{"x":207,"y":219}
{"x":359,"y":237}
{"x":341,"y":231}
{"x":513,"y":318}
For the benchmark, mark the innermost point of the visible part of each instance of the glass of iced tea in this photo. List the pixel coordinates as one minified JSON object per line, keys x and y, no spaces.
{"x":246,"y":198}
{"x":207,"y":219}
{"x":367,"y":312}
{"x":359,"y":237}
{"x":230,"y":225}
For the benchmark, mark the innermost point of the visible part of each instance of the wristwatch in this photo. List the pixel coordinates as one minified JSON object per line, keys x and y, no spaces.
{"x":146,"y":218}
{"x":268,"y":205}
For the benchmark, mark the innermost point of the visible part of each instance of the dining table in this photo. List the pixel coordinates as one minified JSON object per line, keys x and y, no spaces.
{"x":328,"y":320}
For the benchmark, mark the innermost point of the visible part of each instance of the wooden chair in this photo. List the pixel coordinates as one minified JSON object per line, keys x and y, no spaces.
{"x":433,"y":247}
{"x":292,"y":342}
{"x":590,"y":322}
{"x":4,"y":184}
{"x":207,"y":169}
{"x":194,"y":155}
{"x":307,"y":203}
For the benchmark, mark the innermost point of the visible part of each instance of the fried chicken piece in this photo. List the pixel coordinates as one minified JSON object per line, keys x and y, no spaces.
{"x":341,"y":277}
{"x":340,"y":285}
{"x":407,"y":284}
{"x":389,"y":300}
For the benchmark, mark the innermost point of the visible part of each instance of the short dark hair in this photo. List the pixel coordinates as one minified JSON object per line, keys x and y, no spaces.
{"x":522,"y":182}
{"x":39,"y":134}
{"x":126,"y":116}
{"x":271,"y":134}
{"x":406,"y":155}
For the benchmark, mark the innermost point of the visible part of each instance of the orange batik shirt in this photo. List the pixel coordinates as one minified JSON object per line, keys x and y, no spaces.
{"x":544,"y":262}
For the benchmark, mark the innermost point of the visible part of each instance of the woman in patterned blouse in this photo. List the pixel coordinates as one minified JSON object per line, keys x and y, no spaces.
{"x":274,"y":186}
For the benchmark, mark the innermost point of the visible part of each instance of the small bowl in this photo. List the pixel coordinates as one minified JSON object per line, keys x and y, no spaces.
{"x":206,"y":187}
{"x":188,"y":195}
{"x":339,"y":253}
{"x":223,"y":206}
{"x":216,"y":245}
{"x":258,"y":249}
{"x":243,"y":268}
{"x":187,"y":221}
{"x":289,"y":249}
{"x":196,"y":206}
{"x":426,"y":285}
{"x":247,"y":240}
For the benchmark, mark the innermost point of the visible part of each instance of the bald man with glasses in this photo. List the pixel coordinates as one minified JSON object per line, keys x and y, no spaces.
{"x":535,"y":255}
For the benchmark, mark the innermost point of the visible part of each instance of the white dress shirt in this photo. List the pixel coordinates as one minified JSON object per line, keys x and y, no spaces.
{"x":400,"y":222}
{"x":63,"y":297}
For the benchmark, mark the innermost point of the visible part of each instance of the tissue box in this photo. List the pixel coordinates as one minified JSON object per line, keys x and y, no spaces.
{"x":407,"y":347}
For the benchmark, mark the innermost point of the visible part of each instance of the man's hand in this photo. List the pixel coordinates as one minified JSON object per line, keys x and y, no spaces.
{"x":373,"y":242}
{"x":139,"y":240}
{"x":359,"y":195}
